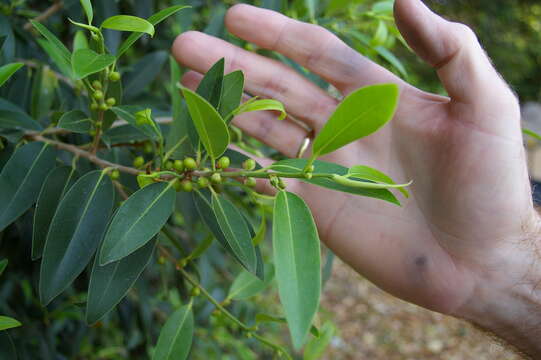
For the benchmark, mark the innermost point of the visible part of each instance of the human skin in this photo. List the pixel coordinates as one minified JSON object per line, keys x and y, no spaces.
{"x":466,"y":243}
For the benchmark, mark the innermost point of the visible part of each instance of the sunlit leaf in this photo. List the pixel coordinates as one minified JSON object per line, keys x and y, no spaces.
{"x":8,"y":323}
{"x":261,"y":105}
{"x":128,"y":23}
{"x":247,"y":285}
{"x":87,"y":6}
{"x":80,"y":41}
{"x":363,"y":172}
{"x":8,"y":70}
{"x":86,"y":62}
{"x":176,"y":336}
{"x":297,"y":260}
{"x":315,"y":348}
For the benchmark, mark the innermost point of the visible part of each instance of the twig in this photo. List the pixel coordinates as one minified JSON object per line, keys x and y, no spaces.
{"x":50,"y":11}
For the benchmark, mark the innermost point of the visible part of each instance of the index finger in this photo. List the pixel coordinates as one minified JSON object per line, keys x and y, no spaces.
{"x":310,"y":45}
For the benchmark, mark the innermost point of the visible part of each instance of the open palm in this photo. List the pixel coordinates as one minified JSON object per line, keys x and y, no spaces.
{"x":464,"y":153}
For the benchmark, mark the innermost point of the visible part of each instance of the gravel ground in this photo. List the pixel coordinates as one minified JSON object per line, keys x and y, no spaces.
{"x":374,"y":325}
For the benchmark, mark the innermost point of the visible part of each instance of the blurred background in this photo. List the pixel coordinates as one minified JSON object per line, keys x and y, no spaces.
{"x":365,"y":323}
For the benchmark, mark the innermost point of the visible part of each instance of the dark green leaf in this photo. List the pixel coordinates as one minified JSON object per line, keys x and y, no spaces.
{"x":8,"y":323}
{"x":3,"y":265}
{"x":237,"y":158}
{"x":86,"y":62}
{"x":236,"y":232}
{"x":124,"y":134}
{"x":110,"y":283}
{"x":360,"y":114}
{"x":128,"y":23}
{"x":138,"y":220}
{"x":297,"y":165}
{"x":210,"y":126}
{"x":154,"y":20}
{"x":247,"y":285}
{"x":61,"y":63}
{"x":176,"y":336}
{"x":75,"y":232}
{"x":87,"y":6}
{"x":233,"y":87}
{"x":76,"y":121}
{"x":128,"y":113}
{"x":8,"y":348}
{"x":210,"y":87}
{"x":7,"y":70}
{"x":21,"y":180}
{"x":143,"y":74}
{"x":181,"y":118}
{"x":297,"y":260}
{"x":18,"y":121}
{"x":57,"y":45}
{"x":56,"y":185}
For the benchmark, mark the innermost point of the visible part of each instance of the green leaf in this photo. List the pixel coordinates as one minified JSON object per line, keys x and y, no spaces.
{"x":143,"y":73}
{"x":3,"y":265}
{"x":360,"y":114}
{"x":87,"y":62}
{"x":315,"y":348}
{"x":8,"y":323}
{"x":266,"y":318}
{"x":75,"y":121}
{"x":87,"y":6}
{"x":531,"y":133}
{"x":363,"y":172}
{"x":21,"y":180}
{"x":80,"y":41}
{"x":7,"y":70}
{"x":154,"y":20}
{"x":110,"y":283}
{"x":322,"y":167}
{"x":128,"y":113}
{"x":392,"y":59}
{"x":233,"y":87}
{"x":296,"y":251}
{"x":57,"y":45}
{"x":176,"y":336}
{"x":179,"y":126}
{"x":311,"y":6}
{"x":261,"y":105}
{"x":124,"y":134}
{"x":128,"y":23}
{"x":209,"y":124}
{"x":211,"y":86}
{"x":77,"y":227}
{"x":61,"y":63}
{"x":7,"y":346}
{"x":137,"y":221}
{"x":236,"y":232}
{"x":18,"y":120}
{"x":56,"y":185}
{"x":201,"y":248}
{"x":247,"y":285}
{"x":237,"y":158}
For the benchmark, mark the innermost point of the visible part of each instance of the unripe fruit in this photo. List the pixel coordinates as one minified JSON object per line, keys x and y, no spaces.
{"x":138,"y":162}
{"x":169,"y":165}
{"x":178,"y":165}
{"x":96,"y":85}
{"x":98,"y":95}
{"x":94,"y":106}
{"x":223,"y":163}
{"x":202,"y":182}
{"x":195,"y":291}
{"x":190,"y":164}
{"x":249,"y":335}
{"x":281,"y":184}
{"x":186,"y":185}
{"x":311,"y":168}
{"x":249,"y":164}
{"x":92,"y":132}
{"x":103,"y":107}
{"x":111,"y":101}
{"x":177,"y":186}
{"x":147,"y":148}
{"x":182,"y":263}
{"x":114,"y":76}
{"x":161,"y":260}
{"x":308,"y":175}
{"x":144,"y":180}
{"x":216,"y":178}
{"x":115,"y":174}
{"x":250,"y":182}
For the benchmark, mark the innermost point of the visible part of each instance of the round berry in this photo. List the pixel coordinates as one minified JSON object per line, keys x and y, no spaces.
{"x":186,"y":185}
{"x":96,"y":84}
{"x":115,"y":174}
{"x":182,"y":263}
{"x":168,"y":165}
{"x":311,"y":168}
{"x":195,"y":291}
{"x":178,"y":165}
{"x":249,"y":164}
{"x":190,"y":164}
{"x":148,"y":148}
{"x":92,"y":132}
{"x":216,"y":178}
{"x":250,"y":182}
{"x":144,"y":180}
{"x":223,"y":163}
{"x":114,"y":76}
{"x":177,"y":186}
{"x":308,"y":175}
{"x":111,"y":101}
{"x":202,"y":182}
{"x":98,"y":95}
{"x":103,"y":107}
{"x":161,"y":260}
{"x":138,"y":162}
{"x":94,"y":106}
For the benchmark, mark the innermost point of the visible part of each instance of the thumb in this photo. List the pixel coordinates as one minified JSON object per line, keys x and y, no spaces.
{"x":454,"y":51}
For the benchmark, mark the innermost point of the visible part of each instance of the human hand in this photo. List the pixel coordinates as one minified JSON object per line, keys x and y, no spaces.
{"x":464,"y":243}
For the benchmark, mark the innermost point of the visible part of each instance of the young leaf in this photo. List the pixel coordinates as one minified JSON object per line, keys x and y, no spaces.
{"x":297,"y":260}
{"x":316,"y":346}
{"x":77,"y":227}
{"x":86,"y":62}
{"x":236,"y":232}
{"x":176,"y":336}
{"x":363,"y":172}
{"x":531,"y":133}
{"x":110,"y":283}
{"x":210,"y":126}
{"x":8,"y":323}
{"x":138,"y":220}
{"x":80,"y":41}
{"x":247,"y":285}
{"x":87,"y":7}
{"x":21,"y":180}
{"x":346,"y":181}
{"x":129,"y":112}
{"x":360,"y":114}
{"x":56,"y":185}
{"x":128,"y":23}
{"x":75,"y":121}
{"x":322,"y":167}
{"x":233,"y":87}
{"x":7,"y":70}
{"x":3,"y":265}
{"x":261,"y":105}
{"x":154,"y":20}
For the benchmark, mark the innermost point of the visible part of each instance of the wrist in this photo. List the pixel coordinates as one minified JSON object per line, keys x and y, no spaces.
{"x":507,"y":298}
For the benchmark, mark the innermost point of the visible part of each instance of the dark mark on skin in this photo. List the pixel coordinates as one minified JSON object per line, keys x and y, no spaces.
{"x":421,"y":261}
